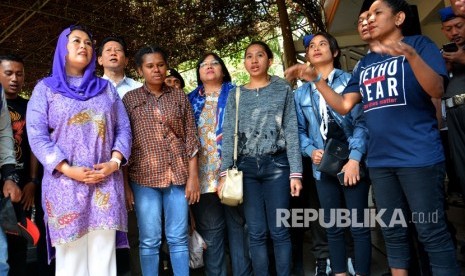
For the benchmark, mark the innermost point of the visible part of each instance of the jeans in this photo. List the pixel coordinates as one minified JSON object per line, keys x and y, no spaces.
{"x":319,"y":245}
{"x":266,"y":189}
{"x":238,"y":241}
{"x":3,"y":254}
{"x":210,"y":223}
{"x":421,"y":189}
{"x":149,"y":204}
{"x":330,"y":193}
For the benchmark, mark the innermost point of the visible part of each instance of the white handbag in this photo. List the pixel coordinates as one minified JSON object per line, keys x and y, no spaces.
{"x":232,"y":192}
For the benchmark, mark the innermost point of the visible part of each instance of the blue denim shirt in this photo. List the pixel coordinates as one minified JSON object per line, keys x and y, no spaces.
{"x":353,"y":123}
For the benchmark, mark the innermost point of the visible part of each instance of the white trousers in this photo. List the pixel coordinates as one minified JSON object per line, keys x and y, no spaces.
{"x":91,"y":255}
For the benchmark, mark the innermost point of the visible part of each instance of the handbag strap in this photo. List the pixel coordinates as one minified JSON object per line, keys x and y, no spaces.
{"x":317,"y":114}
{"x":238,"y":96}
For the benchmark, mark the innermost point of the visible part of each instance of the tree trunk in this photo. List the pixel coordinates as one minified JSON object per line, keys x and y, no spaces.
{"x":288,"y":42}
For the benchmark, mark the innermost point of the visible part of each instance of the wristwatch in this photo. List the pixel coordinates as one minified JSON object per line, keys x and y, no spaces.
{"x":117,"y":161}
{"x":14,"y":177}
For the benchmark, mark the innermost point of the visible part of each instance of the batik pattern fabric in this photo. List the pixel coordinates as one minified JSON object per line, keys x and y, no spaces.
{"x":209,"y":158}
{"x":197,"y":99}
{"x":83,"y":133}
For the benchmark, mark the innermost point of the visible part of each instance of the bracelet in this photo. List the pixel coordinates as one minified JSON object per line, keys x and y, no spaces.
{"x":117,"y":161}
{"x":318,"y":78}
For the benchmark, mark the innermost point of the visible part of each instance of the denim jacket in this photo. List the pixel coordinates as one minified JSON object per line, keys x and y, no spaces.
{"x":353,"y":123}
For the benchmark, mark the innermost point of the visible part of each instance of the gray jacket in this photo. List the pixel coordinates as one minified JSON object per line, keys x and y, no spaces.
{"x":7,"y":152}
{"x":267,"y":124}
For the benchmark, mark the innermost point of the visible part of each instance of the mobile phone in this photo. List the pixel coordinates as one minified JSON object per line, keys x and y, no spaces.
{"x":340,"y":177}
{"x":450,"y":47}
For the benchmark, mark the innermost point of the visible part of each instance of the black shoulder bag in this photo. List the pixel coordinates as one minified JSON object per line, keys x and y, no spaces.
{"x":336,"y":152}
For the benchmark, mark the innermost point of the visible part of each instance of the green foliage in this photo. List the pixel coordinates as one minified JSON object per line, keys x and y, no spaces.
{"x":235,"y":64}
{"x":185,"y":28}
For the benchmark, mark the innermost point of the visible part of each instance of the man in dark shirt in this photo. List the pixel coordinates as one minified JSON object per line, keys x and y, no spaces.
{"x":9,"y":179}
{"x":12,"y":80}
{"x":453,"y":28}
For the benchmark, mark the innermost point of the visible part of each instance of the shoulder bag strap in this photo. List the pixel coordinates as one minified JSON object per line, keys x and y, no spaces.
{"x":238,"y":95}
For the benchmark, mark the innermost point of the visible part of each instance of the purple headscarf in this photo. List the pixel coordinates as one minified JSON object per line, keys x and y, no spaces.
{"x":91,"y":85}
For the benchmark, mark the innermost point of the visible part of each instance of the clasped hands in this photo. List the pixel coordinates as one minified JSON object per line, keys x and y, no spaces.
{"x":88,"y":175}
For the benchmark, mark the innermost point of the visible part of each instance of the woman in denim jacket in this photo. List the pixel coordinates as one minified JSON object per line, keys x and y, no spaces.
{"x":317,"y":124}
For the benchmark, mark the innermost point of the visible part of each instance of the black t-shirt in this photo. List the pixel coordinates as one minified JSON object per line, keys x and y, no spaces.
{"x":335,"y":131}
{"x":456,"y":84}
{"x":17,"y":108}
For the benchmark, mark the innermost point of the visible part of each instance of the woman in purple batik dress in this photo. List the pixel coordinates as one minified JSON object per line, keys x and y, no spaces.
{"x":79,"y":130}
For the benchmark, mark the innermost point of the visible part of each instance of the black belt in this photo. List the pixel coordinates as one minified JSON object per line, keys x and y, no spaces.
{"x":455,"y":101}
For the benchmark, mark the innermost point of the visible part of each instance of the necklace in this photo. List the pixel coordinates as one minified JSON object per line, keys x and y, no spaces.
{"x":212,"y":97}
{"x":257,"y":89}
{"x":212,"y":93}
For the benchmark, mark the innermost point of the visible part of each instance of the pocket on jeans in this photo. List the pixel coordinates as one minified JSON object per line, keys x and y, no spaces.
{"x":280,"y":160}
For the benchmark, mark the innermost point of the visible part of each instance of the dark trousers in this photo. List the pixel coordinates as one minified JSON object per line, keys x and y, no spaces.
{"x":331,"y":195}
{"x":210,"y":223}
{"x":43,"y":268}
{"x":17,"y":255}
{"x":320,"y":247}
{"x":456,"y":125}
{"x":238,"y":241}
{"x":453,"y":185}
{"x":420,"y":190}
{"x":133,"y":238}
{"x":267,"y":189}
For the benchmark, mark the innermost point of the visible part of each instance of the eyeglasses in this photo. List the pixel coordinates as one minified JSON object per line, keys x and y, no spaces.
{"x":211,"y":63}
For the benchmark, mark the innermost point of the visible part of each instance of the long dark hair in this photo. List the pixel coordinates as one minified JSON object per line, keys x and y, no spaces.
{"x":226,"y":75}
